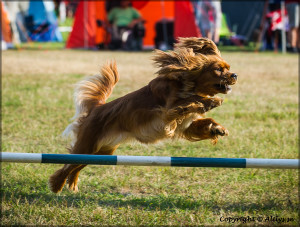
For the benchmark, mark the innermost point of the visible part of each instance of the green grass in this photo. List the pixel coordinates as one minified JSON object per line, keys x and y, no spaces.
{"x":42,"y":45}
{"x":261,"y":115}
{"x":68,"y":22}
{"x":65,"y":35}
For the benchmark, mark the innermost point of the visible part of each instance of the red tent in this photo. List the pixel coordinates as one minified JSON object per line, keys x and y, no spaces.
{"x":86,"y":33}
{"x":185,"y":23}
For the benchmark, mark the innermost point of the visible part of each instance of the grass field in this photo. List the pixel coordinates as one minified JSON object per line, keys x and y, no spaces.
{"x":261,"y":115}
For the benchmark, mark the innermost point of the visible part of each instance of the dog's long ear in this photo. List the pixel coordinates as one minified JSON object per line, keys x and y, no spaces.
{"x":199,"y":45}
{"x":179,"y":60}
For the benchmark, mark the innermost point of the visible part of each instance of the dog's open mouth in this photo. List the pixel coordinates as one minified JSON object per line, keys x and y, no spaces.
{"x":224,"y":88}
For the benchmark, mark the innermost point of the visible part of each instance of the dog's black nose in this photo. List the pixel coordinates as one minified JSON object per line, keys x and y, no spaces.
{"x":234,"y":76}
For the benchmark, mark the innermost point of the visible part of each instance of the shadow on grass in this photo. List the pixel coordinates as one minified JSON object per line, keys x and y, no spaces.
{"x":173,"y":202}
{"x":42,"y":196}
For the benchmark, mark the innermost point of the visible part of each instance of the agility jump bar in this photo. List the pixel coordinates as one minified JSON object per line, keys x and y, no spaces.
{"x":150,"y":160}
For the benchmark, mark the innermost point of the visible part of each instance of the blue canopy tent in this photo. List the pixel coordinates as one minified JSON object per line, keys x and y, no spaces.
{"x":41,"y":22}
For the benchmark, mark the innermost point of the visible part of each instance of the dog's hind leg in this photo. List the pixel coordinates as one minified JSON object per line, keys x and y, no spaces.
{"x":72,"y":180}
{"x":84,"y":145}
{"x":58,"y":179}
{"x":73,"y":176}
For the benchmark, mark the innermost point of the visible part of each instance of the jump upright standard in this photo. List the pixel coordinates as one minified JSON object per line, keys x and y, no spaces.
{"x":150,"y":161}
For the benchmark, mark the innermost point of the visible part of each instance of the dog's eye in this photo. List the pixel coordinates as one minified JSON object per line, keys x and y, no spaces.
{"x":220,"y":69}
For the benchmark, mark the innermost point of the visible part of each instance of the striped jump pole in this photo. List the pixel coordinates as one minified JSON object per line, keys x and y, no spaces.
{"x":150,"y":160}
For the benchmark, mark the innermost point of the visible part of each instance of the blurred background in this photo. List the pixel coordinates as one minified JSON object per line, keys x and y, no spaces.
{"x":48,"y":46}
{"x":270,"y":25}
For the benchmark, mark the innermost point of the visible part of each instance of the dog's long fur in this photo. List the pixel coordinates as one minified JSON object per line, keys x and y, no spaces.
{"x":170,"y":106}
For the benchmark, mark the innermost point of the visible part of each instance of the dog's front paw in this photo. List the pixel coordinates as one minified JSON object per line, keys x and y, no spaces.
{"x":197,"y":107}
{"x":210,"y":103}
{"x":216,"y":131}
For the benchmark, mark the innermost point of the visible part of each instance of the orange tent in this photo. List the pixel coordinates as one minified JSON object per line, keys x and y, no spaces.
{"x":152,"y":12}
{"x":86,"y":33}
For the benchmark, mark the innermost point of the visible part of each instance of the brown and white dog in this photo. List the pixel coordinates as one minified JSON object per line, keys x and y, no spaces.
{"x":170,"y":106}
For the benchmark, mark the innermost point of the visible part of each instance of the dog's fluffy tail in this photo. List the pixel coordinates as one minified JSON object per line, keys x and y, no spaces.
{"x":92,"y":91}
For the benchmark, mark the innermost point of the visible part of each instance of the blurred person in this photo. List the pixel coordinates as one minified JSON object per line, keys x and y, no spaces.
{"x":217,"y":20}
{"x":127,"y":30}
{"x":276,"y":23}
{"x":60,"y":10}
{"x":292,"y":7}
{"x":71,"y":7}
{"x":17,"y":12}
{"x":209,"y":18}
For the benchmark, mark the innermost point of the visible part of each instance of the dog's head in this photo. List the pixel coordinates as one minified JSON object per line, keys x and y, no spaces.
{"x":198,"y":65}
